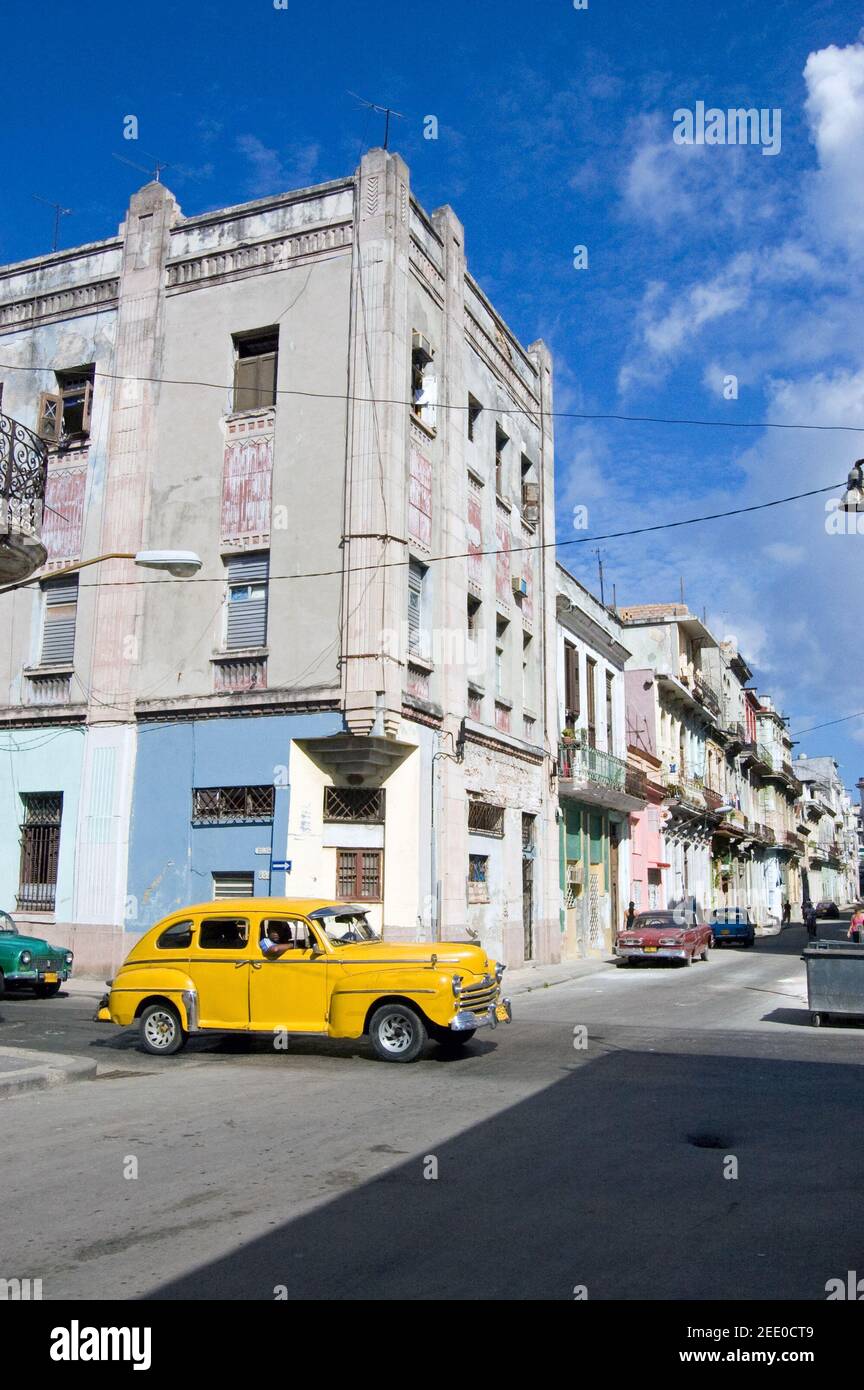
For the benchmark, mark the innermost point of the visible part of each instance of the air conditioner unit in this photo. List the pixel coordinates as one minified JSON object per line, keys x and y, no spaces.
{"x":520,"y":586}
{"x":575,"y":875}
{"x":421,"y":346}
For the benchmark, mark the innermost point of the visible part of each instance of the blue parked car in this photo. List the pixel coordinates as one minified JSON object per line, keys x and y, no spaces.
{"x":730,"y":924}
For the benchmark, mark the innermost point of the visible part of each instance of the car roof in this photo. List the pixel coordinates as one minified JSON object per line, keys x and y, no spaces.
{"x":303,"y":906}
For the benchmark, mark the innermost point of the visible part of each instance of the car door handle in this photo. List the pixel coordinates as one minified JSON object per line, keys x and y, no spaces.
{"x":239,"y":963}
{"x":256,"y":964}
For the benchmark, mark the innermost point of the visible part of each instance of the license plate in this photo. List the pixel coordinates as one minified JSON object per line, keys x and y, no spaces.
{"x":725,"y":932}
{"x":50,"y":977}
{"x":649,"y":948}
{"x":501,"y":1013}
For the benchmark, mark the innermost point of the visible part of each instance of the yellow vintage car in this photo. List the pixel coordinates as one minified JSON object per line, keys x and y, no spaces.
{"x":293,"y":965}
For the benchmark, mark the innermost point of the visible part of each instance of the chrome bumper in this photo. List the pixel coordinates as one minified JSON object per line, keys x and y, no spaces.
{"x":662,"y":953}
{"x":465,"y":1019}
{"x":37,"y":976}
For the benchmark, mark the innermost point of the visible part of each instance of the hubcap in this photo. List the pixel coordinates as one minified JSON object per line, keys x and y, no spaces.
{"x":159,"y":1029}
{"x":396,"y":1032}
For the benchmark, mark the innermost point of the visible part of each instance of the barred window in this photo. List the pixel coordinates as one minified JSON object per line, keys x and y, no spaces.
{"x":358,"y":874}
{"x":232,"y":805}
{"x":485,"y":819}
{"x":40,"y":851}
{"x":354,"y":804}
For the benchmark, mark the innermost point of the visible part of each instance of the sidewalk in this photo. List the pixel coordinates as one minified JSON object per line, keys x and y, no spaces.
{"x":24,"y":1070}
{"x":531,"y":977}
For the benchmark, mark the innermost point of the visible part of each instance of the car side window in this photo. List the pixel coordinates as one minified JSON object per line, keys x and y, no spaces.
{"x":177,"y":937}
{"x":284,"y":931}
{"x":223,"y":934}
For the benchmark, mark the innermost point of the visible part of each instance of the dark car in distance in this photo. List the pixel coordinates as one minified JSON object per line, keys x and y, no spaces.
{"x":825,"y":908}
{"x":733,"y":924}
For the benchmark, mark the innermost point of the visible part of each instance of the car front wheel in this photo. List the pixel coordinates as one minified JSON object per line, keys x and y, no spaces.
{"x":160,"y":1030}
{"x":397,"y":1033}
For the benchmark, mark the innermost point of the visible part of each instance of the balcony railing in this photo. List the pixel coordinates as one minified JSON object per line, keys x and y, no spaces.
{"x":576,"y":762}
{"x":23,"y":476}
{"x":706,"y":693}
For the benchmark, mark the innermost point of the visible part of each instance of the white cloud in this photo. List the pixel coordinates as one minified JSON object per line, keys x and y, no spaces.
{"x":835,"y":111}
{"x":273,"y":173}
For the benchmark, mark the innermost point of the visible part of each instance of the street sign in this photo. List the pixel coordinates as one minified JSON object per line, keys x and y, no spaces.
{"x":281,"y":866}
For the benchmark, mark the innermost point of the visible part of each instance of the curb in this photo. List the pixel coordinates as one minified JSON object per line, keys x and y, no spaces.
{"x":40,"y":1070}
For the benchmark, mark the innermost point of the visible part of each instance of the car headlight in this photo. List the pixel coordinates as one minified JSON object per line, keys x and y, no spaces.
{"x":25,"y":958}
{"x":499,"y":971}
{"x":69,"y":957}
{"x":456,"y":983}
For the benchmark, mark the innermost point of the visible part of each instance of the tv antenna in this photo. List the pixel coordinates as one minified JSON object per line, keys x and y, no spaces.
{"x":59,"y":211}
{"x":599,"y":554}
{"x":155,"y":170}
{"x":386,"y":111}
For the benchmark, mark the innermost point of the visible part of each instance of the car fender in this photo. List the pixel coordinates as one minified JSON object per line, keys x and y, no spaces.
{"x":133,"y":988}
{"x":356,"y":989}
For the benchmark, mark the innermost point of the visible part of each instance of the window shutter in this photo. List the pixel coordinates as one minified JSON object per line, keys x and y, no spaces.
{"x":87,"y":407}
{"x":58,"y":631}
{"x":246,"y":383}
{"x":571,"y":678}
{"x":415,"y":606}
{"x":266,"y":380}
{"x":247,"y":600}
{"x":50,"y":417}
{"x":233,"y":886}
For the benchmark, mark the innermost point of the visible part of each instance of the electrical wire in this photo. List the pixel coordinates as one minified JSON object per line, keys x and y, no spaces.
{"x":453,"y":405}
{"x":509,"y":550}
{"x":828,"y":723}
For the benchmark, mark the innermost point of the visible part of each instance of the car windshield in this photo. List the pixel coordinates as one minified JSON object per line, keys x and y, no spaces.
{"x":732,"y":915}
{"x":6,"y":924}
{"x":654,"y":923}
{"x":345,"y":925}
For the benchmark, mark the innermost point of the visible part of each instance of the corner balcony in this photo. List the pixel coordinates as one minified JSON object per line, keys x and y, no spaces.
{"x":23,"y":474}
{"x":599,"y":779}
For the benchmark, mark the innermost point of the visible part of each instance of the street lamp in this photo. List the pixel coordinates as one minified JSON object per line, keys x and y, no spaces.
{"x":853,"y":498}
{"x":182,"y":564}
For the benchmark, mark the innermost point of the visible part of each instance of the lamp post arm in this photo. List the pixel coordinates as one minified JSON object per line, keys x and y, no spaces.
{"x":70,"y":569}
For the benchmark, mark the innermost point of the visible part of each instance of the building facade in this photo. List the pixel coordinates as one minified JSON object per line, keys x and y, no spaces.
{"x":599,"y":790}
{"x":313,"y":394}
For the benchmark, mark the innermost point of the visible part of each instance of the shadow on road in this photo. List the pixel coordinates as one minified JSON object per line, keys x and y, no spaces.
{"x":612,"y":1178}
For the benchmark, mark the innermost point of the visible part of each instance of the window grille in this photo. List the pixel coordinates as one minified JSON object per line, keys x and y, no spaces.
{"x":232,"y":805}
{"x":354,"y":804}
{"x":485,"y":819}
{"x":40,"y":851}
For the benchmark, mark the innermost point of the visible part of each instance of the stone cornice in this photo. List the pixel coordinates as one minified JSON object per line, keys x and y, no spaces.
{"x":253,"y":258}
{"x":66,"y":303}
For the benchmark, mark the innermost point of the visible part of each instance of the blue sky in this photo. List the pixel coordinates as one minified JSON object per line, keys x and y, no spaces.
{"x":555,"y":130}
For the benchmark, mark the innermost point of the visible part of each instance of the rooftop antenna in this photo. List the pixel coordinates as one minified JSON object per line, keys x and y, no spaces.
{"x":600,"y":569}
{"x":386,"y":111}
{"x":59,"y":211}
{"x":614,"y":599}
{"x":681,"y":583}
{"x":158,"y":165}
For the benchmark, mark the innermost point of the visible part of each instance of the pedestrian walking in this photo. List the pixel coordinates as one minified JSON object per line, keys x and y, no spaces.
{"x":787,"y":911}
{"x":810,"y":920}
{"x":856,"y":925}
{"x":630,"y":916}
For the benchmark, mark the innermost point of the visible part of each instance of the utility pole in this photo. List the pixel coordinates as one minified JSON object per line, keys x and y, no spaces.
{"x":600,"y":569}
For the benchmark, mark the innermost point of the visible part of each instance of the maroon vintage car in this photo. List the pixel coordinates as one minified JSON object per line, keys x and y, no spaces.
{"x":667,"y":935}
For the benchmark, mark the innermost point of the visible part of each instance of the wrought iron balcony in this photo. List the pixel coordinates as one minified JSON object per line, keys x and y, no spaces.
{"x":706,"y":694}
{"x":593,"y":768}
{"x":23,"y":475}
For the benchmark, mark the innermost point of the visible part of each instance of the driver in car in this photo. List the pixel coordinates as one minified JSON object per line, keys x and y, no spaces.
{"x":277,"y":940}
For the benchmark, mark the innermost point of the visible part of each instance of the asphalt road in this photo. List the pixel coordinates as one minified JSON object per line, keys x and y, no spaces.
{"x":530,"y":1166}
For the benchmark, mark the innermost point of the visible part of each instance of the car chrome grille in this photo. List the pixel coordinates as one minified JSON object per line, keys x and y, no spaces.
{"x":479,"y":998}
{"x":44,"y":963}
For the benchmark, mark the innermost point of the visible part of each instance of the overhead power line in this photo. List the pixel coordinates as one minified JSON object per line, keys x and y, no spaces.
{"x":440,"y":405}
{"x":501,"y":550}
{"x":828,"y":723}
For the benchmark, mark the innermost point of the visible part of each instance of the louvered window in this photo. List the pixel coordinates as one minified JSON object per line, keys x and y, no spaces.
{"x":358,"y":874}
{"x":58,"y":625}
{"x":255,"y":371}
{"x":246,"y":624}
{"x":416,"y":576}
{"x":227,"y":885}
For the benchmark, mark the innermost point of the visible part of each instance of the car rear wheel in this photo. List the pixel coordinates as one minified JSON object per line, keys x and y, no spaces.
{"x":688,"y":958}
{"x":2,"y":984}
{"x":705,"y":950}
{"x":47,"y":991}
{"x":160,"y":1030}
{"x":397,"y":1033}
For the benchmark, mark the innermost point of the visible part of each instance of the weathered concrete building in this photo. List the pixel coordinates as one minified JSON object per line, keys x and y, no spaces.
{"x":313,"y":394}
{"x":599,"y":789}
{"x":830,"y":871}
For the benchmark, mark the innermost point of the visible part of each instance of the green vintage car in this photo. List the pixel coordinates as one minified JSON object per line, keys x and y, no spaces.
{"x":28,"y":962}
